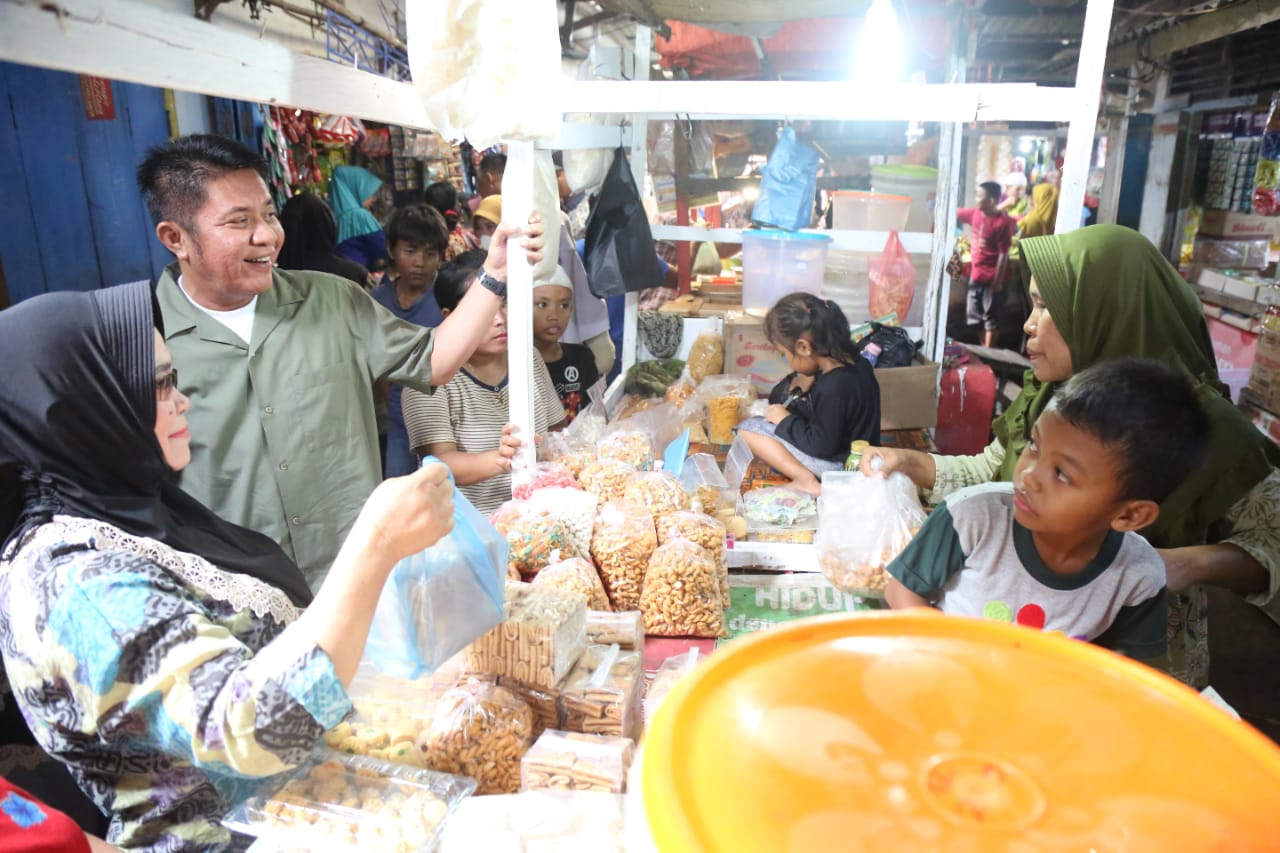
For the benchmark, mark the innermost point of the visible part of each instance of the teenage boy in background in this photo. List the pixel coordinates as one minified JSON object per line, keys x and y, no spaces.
{"x":417,"y":238}
{"x":992,"y":233}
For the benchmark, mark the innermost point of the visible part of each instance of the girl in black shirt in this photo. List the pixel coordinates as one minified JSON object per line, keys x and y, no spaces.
{"x":836,"y":399}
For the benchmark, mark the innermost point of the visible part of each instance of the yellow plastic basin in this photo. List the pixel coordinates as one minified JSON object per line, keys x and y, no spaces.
{"x":920,"y":732}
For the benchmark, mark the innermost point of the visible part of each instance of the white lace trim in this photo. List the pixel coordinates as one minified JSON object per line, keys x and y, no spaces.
{"x":240,"y":591}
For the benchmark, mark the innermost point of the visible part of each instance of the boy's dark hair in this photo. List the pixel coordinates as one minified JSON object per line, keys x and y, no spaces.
{"x":419,"y":225}
{"x":1148,"y":414}
{"x":992,"y":189}
{"x":455,"y":277}
{"x":798,"y":314}
{"x":443,"y":196}
{"x":172,"y":176}
{"x":494,"y":161}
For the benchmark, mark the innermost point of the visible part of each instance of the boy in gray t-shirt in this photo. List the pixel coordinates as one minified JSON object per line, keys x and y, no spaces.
{"x":1058,"y":548}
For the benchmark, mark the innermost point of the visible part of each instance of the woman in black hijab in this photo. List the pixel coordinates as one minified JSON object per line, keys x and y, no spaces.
{"x":154,"y":649}
{"x":310,"y":233}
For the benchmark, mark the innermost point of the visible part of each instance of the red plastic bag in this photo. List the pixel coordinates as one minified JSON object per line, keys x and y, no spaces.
{"x":893,"y":281}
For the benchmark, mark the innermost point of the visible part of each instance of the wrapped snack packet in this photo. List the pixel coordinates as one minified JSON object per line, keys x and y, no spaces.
{"x":543,"y":634}
{"x":482,"y":731}
{"x":669,"y":674}
{"x":658,"y":491}
{"x":682,"y":593}
{"x":570,"y":761}
{"x":577,"y":576}
{"x":625,"y":629}
{"x":350,"y":802}
{"x":602,"y":694}
{"x":623,"y":540}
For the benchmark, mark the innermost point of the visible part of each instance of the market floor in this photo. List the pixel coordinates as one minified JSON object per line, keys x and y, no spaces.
{"x":1244,"y":655}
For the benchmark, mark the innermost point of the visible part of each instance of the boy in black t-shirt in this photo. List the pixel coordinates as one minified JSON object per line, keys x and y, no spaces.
{"x":572,"y":366}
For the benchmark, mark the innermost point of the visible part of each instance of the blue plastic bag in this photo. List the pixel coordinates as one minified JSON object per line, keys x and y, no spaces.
{"x":439,"y":600}
{"x":787,"y":187}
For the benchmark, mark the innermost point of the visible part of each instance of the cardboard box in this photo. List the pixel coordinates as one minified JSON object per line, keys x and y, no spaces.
{"x":908,"y":395}
{"x":1211,"y":279}
{"x":747,"y":352}
{"x":1264,"y":378}
{"x":1238,"y":226}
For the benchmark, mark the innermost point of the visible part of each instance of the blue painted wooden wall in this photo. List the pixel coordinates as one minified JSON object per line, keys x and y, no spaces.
{"x":72,"y":217}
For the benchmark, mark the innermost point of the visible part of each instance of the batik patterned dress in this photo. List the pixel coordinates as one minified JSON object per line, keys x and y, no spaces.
{"x":168,"y":687}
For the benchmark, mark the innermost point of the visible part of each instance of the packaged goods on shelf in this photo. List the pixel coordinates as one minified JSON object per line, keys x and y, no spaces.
{"x":1232,"y":254}
{"x":543,"y":634}
{"x":570,"y":761}
{"x":621,"y":544}
{"x":624,"y":629}
{"x":602,"y":694}
{"x":480,"y":730}
{"x":681,"y":595}
{"x":350,"y":802}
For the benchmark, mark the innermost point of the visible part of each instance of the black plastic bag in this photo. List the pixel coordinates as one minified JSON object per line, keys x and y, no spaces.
{"x":896,"y":347}
{"x":620,"y":257}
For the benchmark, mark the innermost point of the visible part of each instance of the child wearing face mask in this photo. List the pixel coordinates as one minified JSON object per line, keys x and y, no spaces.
{"x":464,"y":423}
{"x":417,"y":238}
{"x":572,"y":366}
{"x":485,"y":219}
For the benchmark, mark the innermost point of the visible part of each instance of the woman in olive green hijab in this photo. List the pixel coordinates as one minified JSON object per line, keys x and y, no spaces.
{"x":1105,"y":292}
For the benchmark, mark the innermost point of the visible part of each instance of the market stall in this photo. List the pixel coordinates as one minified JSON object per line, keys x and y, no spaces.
{"x":620,"y":541}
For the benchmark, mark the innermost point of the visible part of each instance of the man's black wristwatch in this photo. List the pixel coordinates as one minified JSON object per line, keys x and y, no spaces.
{"x":493,"y":285}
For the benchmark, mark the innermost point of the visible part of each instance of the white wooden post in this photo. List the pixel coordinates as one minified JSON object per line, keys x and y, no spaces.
{"x":517,"y":204}
{"x":639,"y":153}
{"x":938,"y":293}
{"x":1084,"y":118}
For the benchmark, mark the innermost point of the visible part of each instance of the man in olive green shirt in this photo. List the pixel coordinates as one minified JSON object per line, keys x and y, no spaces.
{"x":280,"y":365}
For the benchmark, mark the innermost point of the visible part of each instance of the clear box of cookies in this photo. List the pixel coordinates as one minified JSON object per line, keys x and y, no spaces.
{"x":351,"y":802}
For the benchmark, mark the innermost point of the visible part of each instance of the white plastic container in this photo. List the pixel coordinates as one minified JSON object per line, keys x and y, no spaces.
{"x":859,"y":211}
{"x":776,"y":262}
{"x":919,"y":182}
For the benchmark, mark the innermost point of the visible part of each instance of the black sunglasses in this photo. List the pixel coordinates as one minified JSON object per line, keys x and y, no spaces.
{"x":166,"y":384}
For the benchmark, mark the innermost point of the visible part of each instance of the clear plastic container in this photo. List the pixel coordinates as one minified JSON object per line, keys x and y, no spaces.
{"x":859,"y":211}
{"x":919,"y":182}
{"x":775,"y":263}
{"x":350,"y":802}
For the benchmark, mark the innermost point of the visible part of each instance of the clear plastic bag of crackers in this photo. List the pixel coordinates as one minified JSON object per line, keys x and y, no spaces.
{"x":681,"y":596}
{"x":669,"y":674}
{"x":533,"y":536}
{"x":578,"y":576}
{"x":482,"y":731}
{"x":863,"y":524}
{"x":659,"y":492}
{"x":621,"y":544}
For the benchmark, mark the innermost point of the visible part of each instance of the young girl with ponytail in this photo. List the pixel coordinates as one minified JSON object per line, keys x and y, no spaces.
{"x":835,"y":399}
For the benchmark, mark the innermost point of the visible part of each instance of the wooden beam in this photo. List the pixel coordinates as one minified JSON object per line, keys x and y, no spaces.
{"x":1220,"y":23}
{"x":915,"y":242}
{"x":136,"y":42}
{"x":842,"y":101}
{"x":1084,"y":120}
